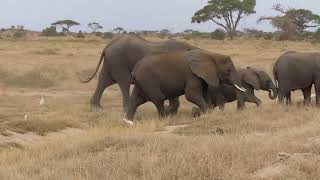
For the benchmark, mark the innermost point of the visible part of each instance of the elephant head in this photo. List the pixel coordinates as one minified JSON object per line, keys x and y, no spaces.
{"x":260,"y":80}
{"x":214,"y":69}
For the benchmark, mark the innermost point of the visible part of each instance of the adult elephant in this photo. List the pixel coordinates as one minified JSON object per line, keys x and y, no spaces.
{"x":119,"y":59}
{"x":295,"y":70}
{"x":166,"y":76}
{"x":251,"y":79}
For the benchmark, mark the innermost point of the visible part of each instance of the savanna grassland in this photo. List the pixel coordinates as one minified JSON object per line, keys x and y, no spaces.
{"x":65,"y":139}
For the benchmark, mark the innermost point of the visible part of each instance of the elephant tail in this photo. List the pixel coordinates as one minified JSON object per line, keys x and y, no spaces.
{"x":100,"y":61}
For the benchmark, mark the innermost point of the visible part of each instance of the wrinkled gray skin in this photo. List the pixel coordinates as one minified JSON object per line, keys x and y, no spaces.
{"x":171,"y":75}
{"x":251,"y":79}
{"x":293,"y":71}
{"x":119,"y":59}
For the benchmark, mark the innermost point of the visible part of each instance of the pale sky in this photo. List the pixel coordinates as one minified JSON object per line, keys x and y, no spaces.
{"x":174,"y":15}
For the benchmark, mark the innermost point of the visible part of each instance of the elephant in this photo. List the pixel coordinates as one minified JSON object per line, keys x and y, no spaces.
{"x":251,"y":79}
{"x":296,"y":70}
{"x":170,"y":75}
{"x":119,"y":58}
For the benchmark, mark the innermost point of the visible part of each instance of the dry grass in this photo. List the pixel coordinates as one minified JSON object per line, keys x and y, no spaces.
{"x":218,"y":145}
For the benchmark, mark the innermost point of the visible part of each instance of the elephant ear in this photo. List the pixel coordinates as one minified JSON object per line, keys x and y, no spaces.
{"x":251,"y":78}
{"x":203,"y":65}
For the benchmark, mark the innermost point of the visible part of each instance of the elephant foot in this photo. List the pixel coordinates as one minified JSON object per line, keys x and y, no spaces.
{"x":240,"y":108}
{"x":169,"y":111}
{"x":95,"y":106}
{"x":196,"y":112}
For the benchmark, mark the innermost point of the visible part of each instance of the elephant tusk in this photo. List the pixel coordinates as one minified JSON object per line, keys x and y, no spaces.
{"x":240,"y":88}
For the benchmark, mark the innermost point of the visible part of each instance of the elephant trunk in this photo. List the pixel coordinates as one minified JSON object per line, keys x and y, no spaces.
{"x":273,"y":93}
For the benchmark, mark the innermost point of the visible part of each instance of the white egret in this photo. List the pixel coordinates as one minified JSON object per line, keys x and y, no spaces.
{"x":41,"y":101}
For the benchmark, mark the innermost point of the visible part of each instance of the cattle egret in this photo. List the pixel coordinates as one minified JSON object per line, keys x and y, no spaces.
{"x":41,"y":101}
{"x":130,"y":123}
{"x":26,"y":116}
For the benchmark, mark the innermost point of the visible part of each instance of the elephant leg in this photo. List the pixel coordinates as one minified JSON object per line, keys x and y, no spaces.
{"x":194,"y":94}
{"x":173,"y":106}
{"x":288,"y":98}
{"x":125,"y":90}
{"x":240,"y":103}
{"x":160,"y":107}
{"x":254,"y":99}
{"x":317,"y":89}
{"x":221,"y":107}
{"x":220,"y":101}
{"x":137,"y":99}
{"x":104,"y":81}
{"x":307,"y":95}
{"x":280,"y":97}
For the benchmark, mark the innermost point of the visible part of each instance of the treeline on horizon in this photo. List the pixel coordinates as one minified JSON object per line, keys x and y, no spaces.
{"x":291,"y":24}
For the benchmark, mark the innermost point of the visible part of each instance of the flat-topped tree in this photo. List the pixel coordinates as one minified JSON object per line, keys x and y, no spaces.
{"x":301,"y":18}
{"x":225,"y":13}
{"x":95,"y":26}
{"x":65,"y":25}
{"x":118,"y":29}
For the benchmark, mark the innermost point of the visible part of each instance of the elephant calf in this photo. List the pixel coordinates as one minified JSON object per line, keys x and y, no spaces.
{"x":251,"y":79}
{"x":293,"y":71}
{"x":170,"y":75}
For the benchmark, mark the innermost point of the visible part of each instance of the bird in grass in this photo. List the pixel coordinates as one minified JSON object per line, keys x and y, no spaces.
{"x":130,"y":123}
{"x":26,"y":117}
{"x":41,"y":101}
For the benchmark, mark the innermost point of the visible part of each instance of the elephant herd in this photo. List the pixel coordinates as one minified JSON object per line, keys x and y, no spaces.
{"x":166,"y":70}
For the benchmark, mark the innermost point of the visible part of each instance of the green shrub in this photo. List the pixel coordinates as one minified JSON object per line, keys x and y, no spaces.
{"x":267,"y":36}
{"x":316,"y":35}
{"x":218,"y":34}
{"x":51,"y":31}
{"x":107,"y":35}
{"x":19,"y":34}
{"x":197,"y":34}
{"x":99,"y":34}
{"x":80,"y":35}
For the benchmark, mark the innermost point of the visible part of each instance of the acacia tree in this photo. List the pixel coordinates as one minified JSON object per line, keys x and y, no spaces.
{"x":118,"y":30}
{"x":95,"y":26}
{"x":301,"y":18}
{"x":225,"y":13}
{"x":65,"y":25}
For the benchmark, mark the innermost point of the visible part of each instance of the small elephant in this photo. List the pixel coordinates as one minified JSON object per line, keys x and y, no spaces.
{"x":119,"y":59}
{"x":251,"y":79}
{"x":295,"y":70}
{"x":170,"y":75}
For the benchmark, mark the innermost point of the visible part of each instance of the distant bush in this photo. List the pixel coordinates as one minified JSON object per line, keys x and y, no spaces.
{"x":267,"y":36}
{"x":218,"y":34}
{"x":19,"y":34}
{"x":80,"y":35}
{"x":99,"y":34}
{"x":316,"y":35}
{"x":51,"y":31}
{"x":197,"y":34}
{"x":107,"y":35}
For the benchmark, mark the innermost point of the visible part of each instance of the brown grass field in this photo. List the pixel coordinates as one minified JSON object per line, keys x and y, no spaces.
{"x":65,"y":139}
